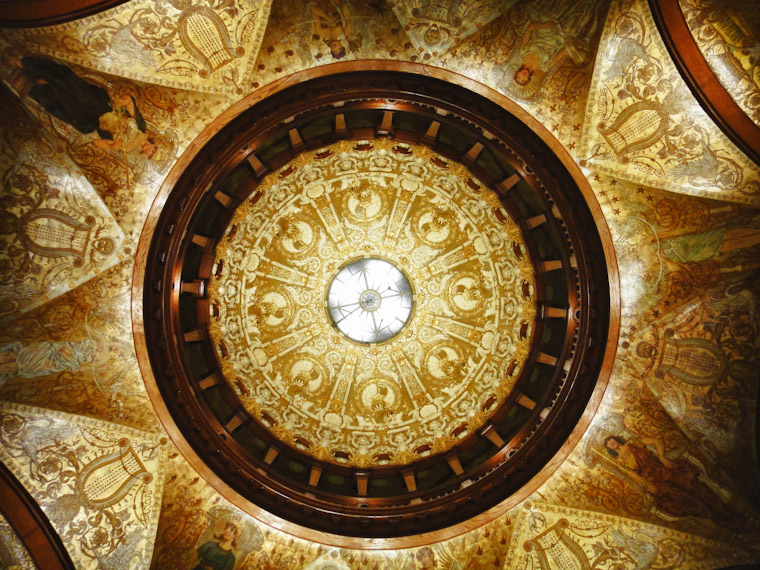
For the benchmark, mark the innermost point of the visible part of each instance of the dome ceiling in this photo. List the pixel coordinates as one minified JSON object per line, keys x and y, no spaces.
{"x":497,"y":263}
{"x":374,"y":401}
{"x":127,"y":440}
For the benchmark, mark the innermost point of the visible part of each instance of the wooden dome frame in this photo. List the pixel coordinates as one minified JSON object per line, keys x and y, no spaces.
{"x":586,"y":356}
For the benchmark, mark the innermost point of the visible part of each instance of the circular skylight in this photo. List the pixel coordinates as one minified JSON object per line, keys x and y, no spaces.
{"x":370,"y":300}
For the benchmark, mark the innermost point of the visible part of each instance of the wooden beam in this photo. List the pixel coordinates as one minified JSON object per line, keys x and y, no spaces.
{"x":490,"y":433}
{"x":208,"y":382}
{"x":341,"y":131}
{"x":197,"y":287}
{"x":201,"y":241}
{"x":508,"y":183}
{"x":362,"y":482}
{"x":432,"y":133}
{"x":526,"y":402}
{"x":222,"y":198}
{"x":271,"y":455}
{"x":386,"y":125}
{"x":295,"y":140}
{"x":259,"y":168}
{"x":194,"y":336}
{"x":453,"y":460}
{"x":472,"y":154}
{"x":544,"y":358}
{"x":536,"y":221}
{"x":552,"y":265}
{"x":411,"y":482}
{"x":236,"y":421}
{"x":315,"y":474}
{"x":553,"y":312}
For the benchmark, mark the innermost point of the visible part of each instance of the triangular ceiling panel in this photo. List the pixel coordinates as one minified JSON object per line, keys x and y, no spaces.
{"x":434,"y":26}
{"x":187,"y":44}
{"x":56,"y":231}
{"x":642,"y":123}
{"x":99,"y":484}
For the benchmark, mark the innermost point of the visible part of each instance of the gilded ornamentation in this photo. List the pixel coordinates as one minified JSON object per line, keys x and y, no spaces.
{"x":98,"y":483}
{"x":13,"y":552}
{"x":435,"y":26}
{"x":56,"y":233}
{"x":642,"y":123}
{"x":549,"y":537}
{"x":203,"y":46}
{"x":728,"y":35}
{"x":538,"y":53}
{"x":371,"y":404}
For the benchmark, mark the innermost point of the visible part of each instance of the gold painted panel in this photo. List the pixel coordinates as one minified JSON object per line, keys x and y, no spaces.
{"x":194,"y":514}
{"x":124,"y":135}
{"x":13,"y":552}
{"x":643,"y":125}
{"x":700,"y":362}
{"x":55,"y":231}
{"x":444,"y":374}
{"x":673,"y":248}
{"x":728,"y":35}
{"x":98,"y":483}
{"x":636,"y":462}
{"x":76,"y":354}
{"x":539,"y":54}
{"x":435,"y":26}
{"x":551,"y":537}
{"x":301,"y":35}
{"x":204,"y":46}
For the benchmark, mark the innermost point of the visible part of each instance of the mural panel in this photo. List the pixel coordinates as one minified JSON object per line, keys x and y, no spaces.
{"x":98,"y":483}
{"x":76,"y":354}
{"x":301,"y":35}
{"x":123,"y":135}
{"x":642,"y":123}
{"x":539,"y":53}
{"x":188,"y":44}
{"x":435,"y":26}
{"x":549,"y":537}
{"x":55,"y":231}
{"x":193,"y":516}
{"x":728,"y":35}
{"x":674,"y":248}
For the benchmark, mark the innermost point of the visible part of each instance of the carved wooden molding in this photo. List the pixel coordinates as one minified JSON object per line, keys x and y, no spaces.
{"x":512,"y":471}
{"x":706,"y":87}
{"x":31,"y":525}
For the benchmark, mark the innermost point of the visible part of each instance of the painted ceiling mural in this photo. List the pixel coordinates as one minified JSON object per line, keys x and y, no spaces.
{"x":728,"y":35}
{"x":643,"y":124}
{"x":204,"y":46}
{"x":472,"y":318}
{"x":97,"y":111}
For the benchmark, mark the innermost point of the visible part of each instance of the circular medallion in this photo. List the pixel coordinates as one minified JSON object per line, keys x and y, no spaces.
{"x":413,"y":293}
{"x":471,"y":356}
{"x":370,"y":300}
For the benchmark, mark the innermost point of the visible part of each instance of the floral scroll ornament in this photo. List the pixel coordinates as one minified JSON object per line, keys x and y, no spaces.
{"x":646,"y":118}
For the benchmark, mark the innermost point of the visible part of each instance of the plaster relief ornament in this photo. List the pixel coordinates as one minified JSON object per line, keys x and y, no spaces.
{"x":371,"y":307}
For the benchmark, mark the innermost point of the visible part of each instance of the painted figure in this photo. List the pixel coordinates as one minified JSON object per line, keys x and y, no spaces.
{"x":217,"y":554}
{"x":331,"y":22}
{"x":43,"y":358}
{"x":676,"y":485}
{"x":87,"y":107}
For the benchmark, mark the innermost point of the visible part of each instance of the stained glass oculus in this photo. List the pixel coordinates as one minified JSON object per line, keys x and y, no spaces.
{"x":370,"y":300}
